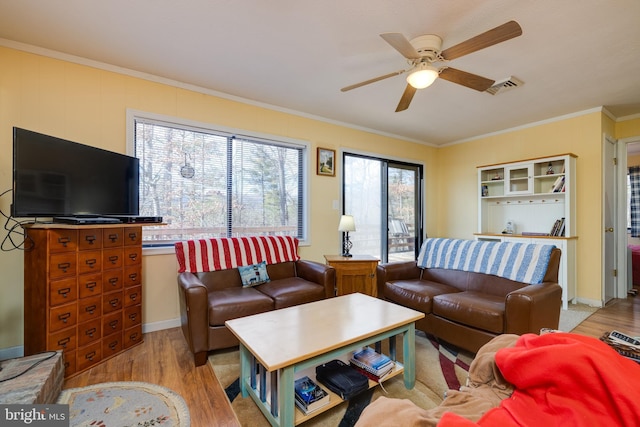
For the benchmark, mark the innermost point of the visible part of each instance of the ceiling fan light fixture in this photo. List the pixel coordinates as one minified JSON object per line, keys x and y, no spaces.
{"x":423,"y":76}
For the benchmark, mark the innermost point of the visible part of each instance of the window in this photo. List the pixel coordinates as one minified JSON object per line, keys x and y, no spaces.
{"x":208,"y":183}
{"x":385,"y":198}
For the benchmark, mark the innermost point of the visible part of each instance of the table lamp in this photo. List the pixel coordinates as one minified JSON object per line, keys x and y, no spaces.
{"x":346,"y":225}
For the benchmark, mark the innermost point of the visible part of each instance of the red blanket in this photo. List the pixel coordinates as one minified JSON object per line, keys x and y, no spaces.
{"x":563,"y":379}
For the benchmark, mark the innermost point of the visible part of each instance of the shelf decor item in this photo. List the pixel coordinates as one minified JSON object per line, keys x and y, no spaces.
{"x":346,"y":225}
{"x":326,"y":162}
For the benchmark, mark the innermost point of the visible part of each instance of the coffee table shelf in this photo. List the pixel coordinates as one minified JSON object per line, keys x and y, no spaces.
{"x":277,"y":347}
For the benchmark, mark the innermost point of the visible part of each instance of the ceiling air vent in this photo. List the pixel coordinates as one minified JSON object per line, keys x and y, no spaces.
{"x":505,"y":85}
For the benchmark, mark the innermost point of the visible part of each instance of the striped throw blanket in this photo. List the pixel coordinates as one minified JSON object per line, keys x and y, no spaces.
{"x":197,"y":256}
{"x":522,"y":262}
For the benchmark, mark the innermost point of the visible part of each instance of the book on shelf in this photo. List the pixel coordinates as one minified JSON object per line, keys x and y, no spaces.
{"x":372,"y":362}
{"x":534,"y":233}
{"x":371,"y":376}
{"x":558,"y":228}
{"x":309,"y":395}
{"x":558,"y":185}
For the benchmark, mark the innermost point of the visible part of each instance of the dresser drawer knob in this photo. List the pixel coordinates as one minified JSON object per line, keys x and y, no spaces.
{"x":113,"y":259}
{"x":90,"y":332}
{"x":134,"y":336}
{"x":133,"y":236}
{"x":113,"y":345}
{"x":64,"y":292}
{"x":90,"y":238}
{"x":90,"y":285}
{"x":64,"y":240}
{"x":113,"y":237}
{"x":133,"y":277}
{"x":113,"y":281}
{"x":90,"y":309}
{"x":132,"y":317}
{"x":113,"y":324}
{"x":64,"y":266}
{"x":114,"y":302}
{"x":133,"y":256}
{"x":90,"y":355}
{"x":63,"y":342}
{"x":64,"y":317}
{"x":133,"y":296}
{"x":91,"y":262}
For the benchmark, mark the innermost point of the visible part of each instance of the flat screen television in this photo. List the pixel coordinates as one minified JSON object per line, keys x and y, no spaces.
{"x":53,"y":177}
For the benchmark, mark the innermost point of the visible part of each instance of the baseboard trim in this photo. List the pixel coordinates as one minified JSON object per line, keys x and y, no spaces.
{"x":18,"y":351}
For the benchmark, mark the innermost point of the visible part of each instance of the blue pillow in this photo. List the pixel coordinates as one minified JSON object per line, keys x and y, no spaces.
{"x":252,"y":275}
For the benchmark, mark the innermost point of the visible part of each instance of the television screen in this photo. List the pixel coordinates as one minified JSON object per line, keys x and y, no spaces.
{"x":55,"y":177}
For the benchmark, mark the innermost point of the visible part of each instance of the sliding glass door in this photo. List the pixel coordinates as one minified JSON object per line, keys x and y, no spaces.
{"x":385,"y":199}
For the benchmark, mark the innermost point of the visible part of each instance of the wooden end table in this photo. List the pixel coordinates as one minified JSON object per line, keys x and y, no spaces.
{"x":354,"y":274}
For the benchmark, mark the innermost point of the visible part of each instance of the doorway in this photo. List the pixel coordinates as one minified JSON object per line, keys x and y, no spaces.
{"x":385,"y":198}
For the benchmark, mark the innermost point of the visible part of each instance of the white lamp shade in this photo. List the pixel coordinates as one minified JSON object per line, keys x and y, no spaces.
{"x":347,"y":223}
{"x":423,"y":76}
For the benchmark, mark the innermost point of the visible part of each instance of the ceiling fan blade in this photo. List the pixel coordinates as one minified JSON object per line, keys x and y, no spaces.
{"x":497,"y":35}
{"x":407,"y":96}
{"x":400,"y":43}
{"x":373,"y":80}
{"x":469,"y":80}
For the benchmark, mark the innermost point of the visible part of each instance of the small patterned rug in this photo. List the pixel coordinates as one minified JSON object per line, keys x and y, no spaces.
{"x":124,"y":404}
{"x":439,"y":367}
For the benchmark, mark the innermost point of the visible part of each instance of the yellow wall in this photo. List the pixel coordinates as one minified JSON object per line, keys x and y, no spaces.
{"x":581,"y":135}
{"x":89,"y":105}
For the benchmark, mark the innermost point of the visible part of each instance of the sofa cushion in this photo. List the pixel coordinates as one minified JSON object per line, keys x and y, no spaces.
{"x":473,"y":309}
{"x":415,"y":293}
{"x":231,"y":303}
{"x":291,"y":291}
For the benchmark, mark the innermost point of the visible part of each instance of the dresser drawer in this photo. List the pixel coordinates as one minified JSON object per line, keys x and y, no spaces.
{"x":132,"y":256}
{"x":112,"y":323}
{"x":89,"y":285}
{"x":112,"y":258}
{"x":89,"y":332}
{"x":112,"y":344}
{"x":133,"y":236}
{"x":133,"y":276}
{"x":132,"y":296}
{"x":89,"y":308}
{"x":89,"y":355}
{"x":132,"y":316}
{"x":112,"y":280}
{"x":63,"y":340}
{"x":89,"y":262}
{"x":63,"y":291}
{"x":69,"y":362}
{"x":112,"y":237}
{"x":62,"y":265}
{"x":90,"y":239}
{"x":111,"y":302}
{"x":132,"y":336}
{"x":63,"y":316}
{"x":63,"y":240}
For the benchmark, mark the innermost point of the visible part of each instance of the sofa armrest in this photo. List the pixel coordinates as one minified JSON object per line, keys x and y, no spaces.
{"x":194,"y":312}
{"x":321,"y":274}
{"x":396,"y":271}
{"x":532,"y":308}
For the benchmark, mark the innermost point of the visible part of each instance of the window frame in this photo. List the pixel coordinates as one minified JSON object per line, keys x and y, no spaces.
{"x":177,"y":122}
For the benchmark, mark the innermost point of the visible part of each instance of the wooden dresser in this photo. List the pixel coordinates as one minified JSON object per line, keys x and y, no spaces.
{"x":82,"y":291}
{"x":356,"y":273}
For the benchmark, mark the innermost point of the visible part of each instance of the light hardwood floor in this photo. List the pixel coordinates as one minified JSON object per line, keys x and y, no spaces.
{"x":164,"y":358}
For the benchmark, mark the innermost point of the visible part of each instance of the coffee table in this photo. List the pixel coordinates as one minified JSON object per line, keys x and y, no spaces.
{"x":276,"y":345}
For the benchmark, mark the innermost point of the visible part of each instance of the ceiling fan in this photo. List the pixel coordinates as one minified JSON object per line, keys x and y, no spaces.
{"x":424,"y":51}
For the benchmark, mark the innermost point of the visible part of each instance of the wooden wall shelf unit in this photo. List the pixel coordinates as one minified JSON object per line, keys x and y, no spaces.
{"x":354,"y":274}
{"x":82,"y":291}
{"x":533,"y":194}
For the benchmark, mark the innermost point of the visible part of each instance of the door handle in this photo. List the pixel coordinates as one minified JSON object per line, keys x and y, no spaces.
{"x":609,"y":230}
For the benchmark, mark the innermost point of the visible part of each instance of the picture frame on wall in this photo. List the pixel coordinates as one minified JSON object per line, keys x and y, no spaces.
{"x":326,"y":162}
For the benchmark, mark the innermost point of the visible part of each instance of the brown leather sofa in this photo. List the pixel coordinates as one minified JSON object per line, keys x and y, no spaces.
{"x":469,"y":309}
{"x":209,"y":299}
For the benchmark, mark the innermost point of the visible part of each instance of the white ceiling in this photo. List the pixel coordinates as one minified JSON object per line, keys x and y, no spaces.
{"x":574,"y":55}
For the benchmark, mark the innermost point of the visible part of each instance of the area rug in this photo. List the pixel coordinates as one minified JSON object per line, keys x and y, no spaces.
{"x":576,"y":314}
{"x":125,"y":403}
{"x":438,"y":368}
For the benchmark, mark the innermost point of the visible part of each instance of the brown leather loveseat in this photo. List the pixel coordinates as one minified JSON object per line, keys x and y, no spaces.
{"x":468,"y":308}
{"x":209,"y":298}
